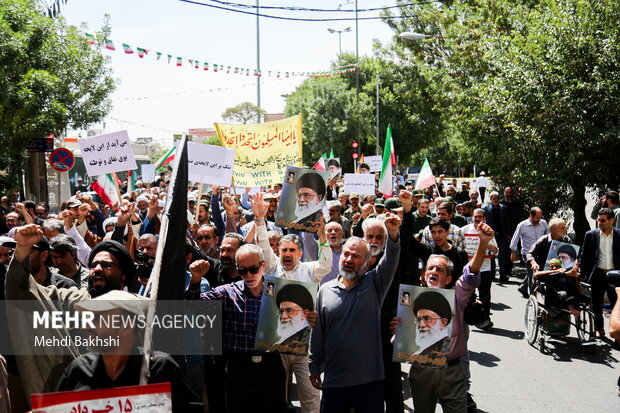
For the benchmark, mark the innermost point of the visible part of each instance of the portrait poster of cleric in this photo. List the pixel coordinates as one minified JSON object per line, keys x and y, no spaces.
{"x":303,"y":198}
{"x":282,"y":322}
{"x":423,"y":336}
{"x":565,"y":252}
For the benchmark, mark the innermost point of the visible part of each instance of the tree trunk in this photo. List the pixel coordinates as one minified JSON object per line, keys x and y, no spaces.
{"x":578,"y":205}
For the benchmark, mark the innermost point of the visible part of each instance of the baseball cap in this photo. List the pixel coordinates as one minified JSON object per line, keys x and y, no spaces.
{"x":353,"y":195}
{"x":73,"y":202}
{"x":7,"y":242}
{"x":43,"y":245}
{"x":393,"y":204}
{"x":380,"y":202}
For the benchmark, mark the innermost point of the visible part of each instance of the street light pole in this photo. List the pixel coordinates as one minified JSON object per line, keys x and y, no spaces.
{"x":346,"y":29}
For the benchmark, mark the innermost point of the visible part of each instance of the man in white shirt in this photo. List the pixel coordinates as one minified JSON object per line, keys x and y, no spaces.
{"x":528,"y":231}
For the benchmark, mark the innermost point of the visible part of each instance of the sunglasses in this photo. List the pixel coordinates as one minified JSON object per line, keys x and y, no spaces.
{"x":201,"y":237}
{"x":252,"y":270}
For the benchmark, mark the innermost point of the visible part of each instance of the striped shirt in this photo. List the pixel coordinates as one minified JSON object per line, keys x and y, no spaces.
{"x":455,"y":236}
{"x":240,"y":312}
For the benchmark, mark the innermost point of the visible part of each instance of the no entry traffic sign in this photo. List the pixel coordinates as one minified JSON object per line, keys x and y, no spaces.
{"x":62,"y":160}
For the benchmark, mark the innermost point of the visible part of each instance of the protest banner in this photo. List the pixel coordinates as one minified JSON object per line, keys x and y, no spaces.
{"x":374,"y":162}
{"x":423,"y":336}
{"x":149,"y":398}
{"x":303,"y":198}
{"x":210,"y":164}
{"x":361,"y":184}
{"x":263,"y":150}
{"x":565,"y":252}
{"x":108,"y":153}
{"x":282,"y":322}
{"x":147,"y":172}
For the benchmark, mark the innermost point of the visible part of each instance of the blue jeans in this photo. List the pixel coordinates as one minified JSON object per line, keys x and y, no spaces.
{"x":365,"y":398}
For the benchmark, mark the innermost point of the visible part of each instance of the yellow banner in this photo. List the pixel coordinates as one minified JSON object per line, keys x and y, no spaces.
{"x":263,"y":150}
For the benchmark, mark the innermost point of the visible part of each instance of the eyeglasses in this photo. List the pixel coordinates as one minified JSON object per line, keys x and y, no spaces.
{"x":306,"y":195}
{"x":106,"y":265}
{"x":201,"y":237}
{"x":288,"y":311}
{"x":253,"y":270}
{"x":427,"y":319}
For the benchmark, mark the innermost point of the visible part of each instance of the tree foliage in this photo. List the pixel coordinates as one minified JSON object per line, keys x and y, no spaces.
{"x":245,"y":112}
{"x":532,"y":89}
{"x":50,"y":79}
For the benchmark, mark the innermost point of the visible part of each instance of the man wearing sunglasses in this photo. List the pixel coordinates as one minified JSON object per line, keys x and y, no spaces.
{"x":254,"y":381}
{"x":208,"y":240}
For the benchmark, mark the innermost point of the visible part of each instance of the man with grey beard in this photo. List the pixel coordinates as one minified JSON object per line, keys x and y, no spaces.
{"x":346,"y":342}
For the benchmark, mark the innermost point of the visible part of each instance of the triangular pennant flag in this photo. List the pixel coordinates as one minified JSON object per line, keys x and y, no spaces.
{"x":127,"y":49}
{"x":215,"y":68}
{"x":158,"y":55}
{"x":169,"y":58}
{"x":206,"y":66}
{"x":236,"y":70}
{"x":426,"y":177}
{"x":179,"y":61}
{"x":142,"y":52}
{"x":386,"y":180}
{"x":331,"y":154}
{"x":191,"y":62}
{"x":109,"y":45}
{"x":196,"y":64}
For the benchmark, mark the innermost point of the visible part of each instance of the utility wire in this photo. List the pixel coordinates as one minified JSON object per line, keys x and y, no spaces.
{"x":295,"y":18}
{"x":250,"y":6}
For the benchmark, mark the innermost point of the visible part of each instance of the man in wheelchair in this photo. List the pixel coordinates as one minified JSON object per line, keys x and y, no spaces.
{"x":561,"y":287}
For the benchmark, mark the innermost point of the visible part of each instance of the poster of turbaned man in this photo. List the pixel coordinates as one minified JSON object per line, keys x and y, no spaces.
{"x":423,"y":336}
{"x":565,"y":252}
{"x":283,"y":325}
{"x":303,"y":198}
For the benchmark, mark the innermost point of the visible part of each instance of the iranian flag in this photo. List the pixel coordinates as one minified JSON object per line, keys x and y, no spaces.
{"x":426,"y":177}
{"x":105,"y":186}
{"x":127,"y":49}
{"x":386,"y":179}
{"x":179,"y":61}
{"x":90,"y":38}
{"x":166,"y":159}
{"x":320,"y":164}
{"x":109,"y":45}
{"x":142,"y":52}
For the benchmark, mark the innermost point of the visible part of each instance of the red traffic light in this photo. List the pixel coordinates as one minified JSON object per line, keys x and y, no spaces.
{"x":355,"y":145}
{"x":354,"y":155}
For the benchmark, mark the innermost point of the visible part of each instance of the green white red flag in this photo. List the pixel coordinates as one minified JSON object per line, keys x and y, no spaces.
{"x":109,"y":45}
{"x":166,"y":158}
{"x":107,"y":189}
{"x":127,"y":49}
{"x":320,"y":164}
{"x":426,"y":177}
{"x":386,"y":179}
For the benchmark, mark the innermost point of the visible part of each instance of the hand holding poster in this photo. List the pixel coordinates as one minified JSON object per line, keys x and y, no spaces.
{"x":565,"y":252}
{"x":210,"y":164}
{"x":150,"y":398}
{"x":362,"y":184}
{"x":423,"y":336}
{"x":303,"y":198}
{"x":108,"y":153}
{"x":282,"y":322}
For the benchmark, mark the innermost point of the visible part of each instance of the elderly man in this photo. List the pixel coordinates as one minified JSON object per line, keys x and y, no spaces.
{"x":119,"y":366}
{"x":433,"y":313}
{"x":310,"y":189}
{"x":254,"y":382}
{"x":527,"y":232}
{"x":294,"y":302}
{"x":346,"y":342}
{"x":289,"y":266}
{"x":449,"y":385}
{"x":335,"y":215}
{"x":334,"y":233}
{"x":64,"y":256}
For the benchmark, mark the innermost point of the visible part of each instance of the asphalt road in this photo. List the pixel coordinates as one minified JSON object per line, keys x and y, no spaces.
{"x":509,"y":375}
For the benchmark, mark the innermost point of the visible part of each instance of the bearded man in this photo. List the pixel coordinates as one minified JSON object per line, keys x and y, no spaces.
{"x":310,"y":192}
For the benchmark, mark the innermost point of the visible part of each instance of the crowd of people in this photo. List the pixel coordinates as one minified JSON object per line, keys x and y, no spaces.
{"x":447,"y":236}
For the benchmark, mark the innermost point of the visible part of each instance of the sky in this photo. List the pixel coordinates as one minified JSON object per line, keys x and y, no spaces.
{"x":156,"y":99}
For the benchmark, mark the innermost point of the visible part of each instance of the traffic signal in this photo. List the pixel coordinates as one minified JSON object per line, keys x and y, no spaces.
{"x":355,"y":146}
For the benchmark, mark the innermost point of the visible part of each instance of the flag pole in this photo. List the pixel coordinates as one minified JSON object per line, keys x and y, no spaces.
{"x":198,"y":201}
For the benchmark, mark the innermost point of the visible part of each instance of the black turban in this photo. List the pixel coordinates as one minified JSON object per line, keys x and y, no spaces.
{"x":434,"y":301}
{"x":297,"y":294}
{"x":125,"y":262}
{"x":313,"y":181}
{"x":568,"y":250}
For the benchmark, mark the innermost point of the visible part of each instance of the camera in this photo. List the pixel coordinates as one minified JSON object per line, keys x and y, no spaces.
{"x":613,"y":278}
{"x":144,"y":264}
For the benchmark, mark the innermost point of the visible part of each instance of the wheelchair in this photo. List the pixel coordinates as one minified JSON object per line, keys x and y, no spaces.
{"x":547,"y":323}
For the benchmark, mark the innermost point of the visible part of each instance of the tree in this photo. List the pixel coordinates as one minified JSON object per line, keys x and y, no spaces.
{"x":245,"y":112}
{"x":533,"y":90}
{"x":50,"y":79}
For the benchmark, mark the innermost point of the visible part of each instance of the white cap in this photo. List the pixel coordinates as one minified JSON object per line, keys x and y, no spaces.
{"x":482,"y":173}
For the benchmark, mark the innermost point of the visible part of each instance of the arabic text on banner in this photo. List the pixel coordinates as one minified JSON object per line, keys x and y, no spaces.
{"x":263,"y":149}
{"x":108,"y":153}
{"x":362,"y":184}
{"x":150,"y":398}
{"x":210,"y":164}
